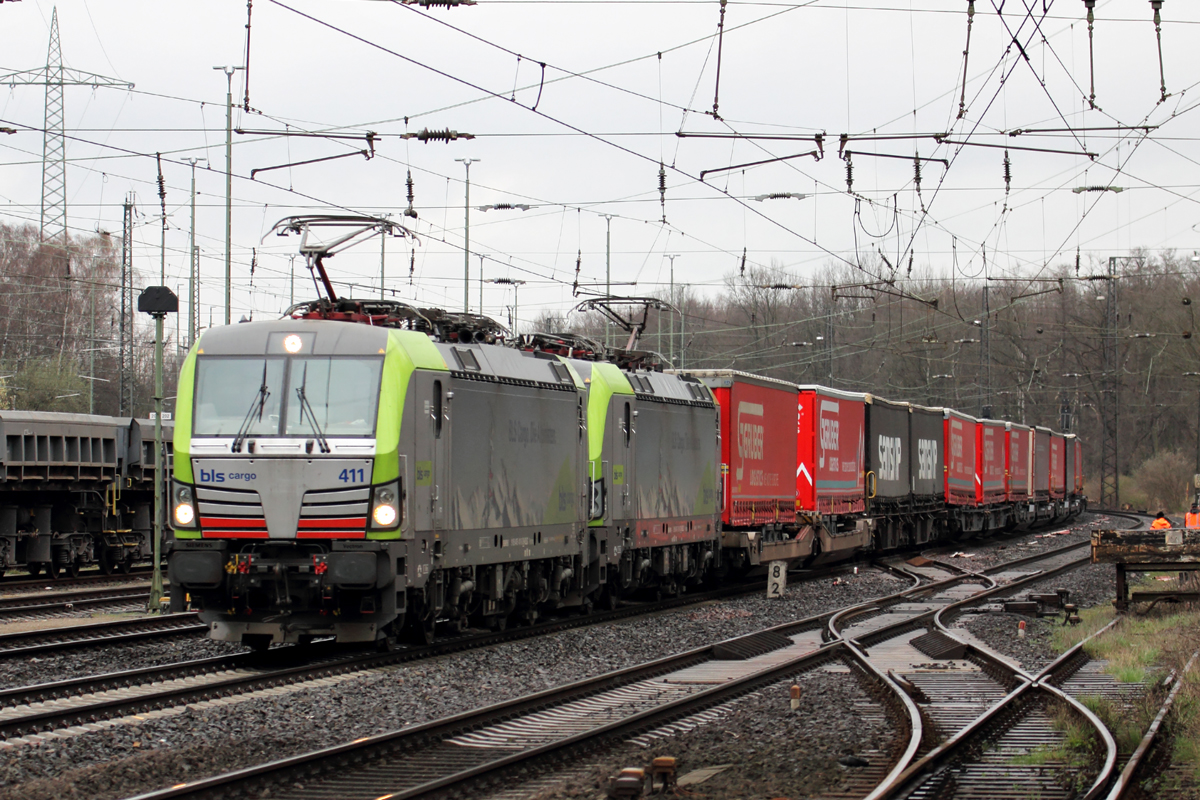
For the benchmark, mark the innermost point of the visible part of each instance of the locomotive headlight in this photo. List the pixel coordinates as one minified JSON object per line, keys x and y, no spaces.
{"x":385,"y":507}
{"x":185,"y":509}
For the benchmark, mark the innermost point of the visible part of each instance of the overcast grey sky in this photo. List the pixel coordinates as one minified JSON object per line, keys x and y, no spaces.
{"x":606,"y":114}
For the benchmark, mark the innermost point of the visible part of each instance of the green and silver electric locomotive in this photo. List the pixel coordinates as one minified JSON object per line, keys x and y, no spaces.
{"x":334,"y":478}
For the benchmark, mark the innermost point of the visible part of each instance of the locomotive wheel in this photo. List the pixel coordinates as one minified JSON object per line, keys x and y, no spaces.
{"x":499,"y":623}
{"x":611,"y":598}
{"x":53,"y":570}
{"x":72,"y":569}
{"x":125,"y":565}
{"x":110,"y":559}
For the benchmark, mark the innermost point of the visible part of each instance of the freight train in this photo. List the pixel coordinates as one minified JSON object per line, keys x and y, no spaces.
{"x":364,"y":470}
{"x":75,"y":490}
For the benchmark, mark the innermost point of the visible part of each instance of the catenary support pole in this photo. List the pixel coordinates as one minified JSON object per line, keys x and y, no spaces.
{"x":467,"y":162}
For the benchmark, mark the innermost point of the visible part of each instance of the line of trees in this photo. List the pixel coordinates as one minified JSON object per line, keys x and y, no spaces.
{"x":60,"y":327}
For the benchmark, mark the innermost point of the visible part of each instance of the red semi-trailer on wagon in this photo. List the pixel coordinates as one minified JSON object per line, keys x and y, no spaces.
{"x":1018,"y":470}
{"x":830,"y":479}
{"x":989,"y":461}
{"x":758,"y":510}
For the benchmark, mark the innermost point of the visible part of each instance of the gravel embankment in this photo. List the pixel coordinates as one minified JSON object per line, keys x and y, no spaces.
{"x":128,"y":759}
{"x":771,"y":751}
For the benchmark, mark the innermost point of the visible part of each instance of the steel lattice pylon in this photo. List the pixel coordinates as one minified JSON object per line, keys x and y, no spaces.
{"x":54,"y":149}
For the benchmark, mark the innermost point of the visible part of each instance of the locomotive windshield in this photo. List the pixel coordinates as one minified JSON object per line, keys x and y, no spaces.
{"x":343,"y":394}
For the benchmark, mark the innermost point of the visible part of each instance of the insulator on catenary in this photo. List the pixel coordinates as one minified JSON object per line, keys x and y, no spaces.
{"x":742,"y":271}
{"x":962,"y":100}
{"x":442,"y":135}
{"x":410,"y":211}
{"x":662,"y":189}
{"x":849,"y":174}
{"x":438,"y":3}
{"x":1007,"y":172}
{"x":412,"y":265}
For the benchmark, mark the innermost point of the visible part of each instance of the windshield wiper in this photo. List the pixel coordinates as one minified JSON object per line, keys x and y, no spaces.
{"x":306,"y":407}
{"x":256,"y":407}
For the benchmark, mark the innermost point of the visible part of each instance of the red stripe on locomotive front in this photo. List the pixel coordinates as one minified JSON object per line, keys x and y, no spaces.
{"x":232,"y":522}
{"x":335,"y":522}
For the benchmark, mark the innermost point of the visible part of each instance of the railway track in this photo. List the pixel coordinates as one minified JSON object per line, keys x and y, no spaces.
{"x":125,"y":597}
{"x":465,"y":752}
{"x":98,"y":634}
{"x":80,"y":701}
{"x":21,"y":583}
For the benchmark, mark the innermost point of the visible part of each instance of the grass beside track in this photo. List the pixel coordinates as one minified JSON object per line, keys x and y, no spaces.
{"x":1144,"y":647}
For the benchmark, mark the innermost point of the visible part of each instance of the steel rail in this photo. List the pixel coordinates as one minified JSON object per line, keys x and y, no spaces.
{"x":10,"y":610}
{"x":45,"y":640}
{"x":329,"y":761}
{"x":326,"y":663}
{"x":1124,"y":781}
{"x":14,"y":583}
{"x":948,"y":750}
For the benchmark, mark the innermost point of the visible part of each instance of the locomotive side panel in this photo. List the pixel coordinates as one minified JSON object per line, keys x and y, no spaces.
{"x":676,"y":469}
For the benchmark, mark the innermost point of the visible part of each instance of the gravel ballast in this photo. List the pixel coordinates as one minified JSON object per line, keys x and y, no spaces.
{"x":84,"y":661}
{"x":770,"y":750}
{"x":129,"y":759}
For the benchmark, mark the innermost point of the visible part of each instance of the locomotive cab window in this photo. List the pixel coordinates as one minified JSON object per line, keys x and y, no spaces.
{"x":286,"y":396}
{"x":341,"y":395}
{"x":231,"y":390}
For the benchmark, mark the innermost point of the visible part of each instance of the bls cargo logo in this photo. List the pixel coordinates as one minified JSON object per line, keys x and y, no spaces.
{"x":750,"y":431}
{"x":926,"y":459}
{"x":889,"y":458}
{"x":829,"y":433}
{"x":212,"y":476}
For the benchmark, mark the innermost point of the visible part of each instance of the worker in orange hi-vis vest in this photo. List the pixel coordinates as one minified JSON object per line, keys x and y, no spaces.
{"x":1192,"y":519}
{"x":1160,"y":522}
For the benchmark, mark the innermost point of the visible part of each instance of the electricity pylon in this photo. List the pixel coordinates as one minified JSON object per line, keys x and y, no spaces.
{"x":54,"y":76}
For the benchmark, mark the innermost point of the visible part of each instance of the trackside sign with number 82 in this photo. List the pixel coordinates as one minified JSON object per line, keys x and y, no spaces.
{"x":776,"y":579}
